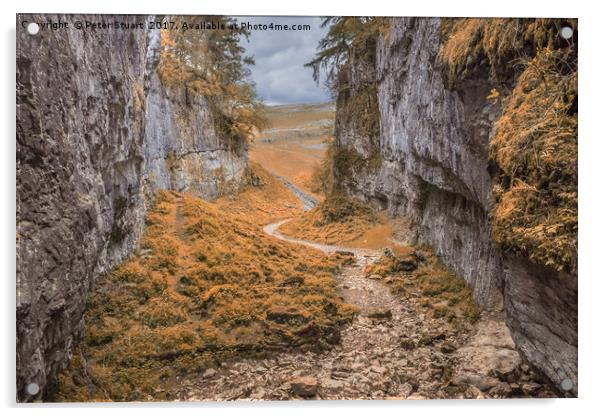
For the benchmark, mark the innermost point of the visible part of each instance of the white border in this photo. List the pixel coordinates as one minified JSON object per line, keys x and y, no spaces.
{"x":590,"y":153}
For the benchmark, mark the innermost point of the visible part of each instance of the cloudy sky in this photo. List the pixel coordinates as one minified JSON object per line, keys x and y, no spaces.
{"x":278,"y":72}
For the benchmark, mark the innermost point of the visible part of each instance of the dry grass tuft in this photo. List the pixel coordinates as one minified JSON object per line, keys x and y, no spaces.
{"x":418,"y":274}
{"x":203,"y":287}
{"x":535,"y":150}
{"x":337,"y":220}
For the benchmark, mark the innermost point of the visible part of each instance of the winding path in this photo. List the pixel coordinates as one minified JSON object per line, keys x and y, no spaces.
{"x":308,"y":202}
{"x":272,"y":229}
{"x":381,"y":354}
{"x":367,"y":363}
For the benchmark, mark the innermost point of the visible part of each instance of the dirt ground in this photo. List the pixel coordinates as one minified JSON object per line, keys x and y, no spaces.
{"x":294,"y":144}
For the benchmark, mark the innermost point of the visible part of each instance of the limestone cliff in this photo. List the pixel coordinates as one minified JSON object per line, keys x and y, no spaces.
{"x":182,"y":149}
{"x":97,"y":135}
{"x":432,"y":168}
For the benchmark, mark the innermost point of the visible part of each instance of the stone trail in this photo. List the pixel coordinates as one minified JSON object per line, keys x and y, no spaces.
{"x":391,"y":350}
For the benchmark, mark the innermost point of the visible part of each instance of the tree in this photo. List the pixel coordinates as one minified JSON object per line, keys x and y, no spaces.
{"x":345,"y":35}
{"x":212,"y":63}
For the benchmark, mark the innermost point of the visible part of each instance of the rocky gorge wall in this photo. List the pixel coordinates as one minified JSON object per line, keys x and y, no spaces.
{"x":97,"y":135}
{"x":432,"y":169}
{"x":182,"y":149}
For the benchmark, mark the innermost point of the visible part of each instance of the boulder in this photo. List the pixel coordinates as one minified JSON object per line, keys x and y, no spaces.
{"x":405,"y":390}
{"x":531,"y":388}
{"x":293,"y":281}
{"x":283,"y":315}
{"x":374,"y":277}
{"x":501,"y":390}
{"x":480,"y":381}
{"x":210,"y":372}
{"x":333,"y":386}
{"x":447,"y":347}
{"x":304,"y":386}
{"x":507,"y":365}
{"x":405,"y":264}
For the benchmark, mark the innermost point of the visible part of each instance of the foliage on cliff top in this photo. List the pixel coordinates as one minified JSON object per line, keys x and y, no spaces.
{"x":346,"y":35}
{"x":204,"y":287}
{"x":211,"y":63}
{"x":350,"y":45}
{"x":533,"y":152}
{"x":496,"y":44}
{"x":535,"y":148}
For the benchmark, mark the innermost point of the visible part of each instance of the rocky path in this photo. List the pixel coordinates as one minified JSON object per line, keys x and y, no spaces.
{"x":391,"y":350}
{"x":308,"y":202}
{"x":365,"y":364}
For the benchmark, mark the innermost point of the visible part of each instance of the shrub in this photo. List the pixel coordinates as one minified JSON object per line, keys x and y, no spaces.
{"x":211,"y":63}
{"x":535,"y":152}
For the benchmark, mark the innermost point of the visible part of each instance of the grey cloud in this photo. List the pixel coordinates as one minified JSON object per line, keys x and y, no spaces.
{"x":278,"y":73}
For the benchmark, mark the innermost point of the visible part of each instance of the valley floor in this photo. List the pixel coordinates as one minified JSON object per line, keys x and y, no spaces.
{"x":277,"y":306}
{"x":392,"y":350}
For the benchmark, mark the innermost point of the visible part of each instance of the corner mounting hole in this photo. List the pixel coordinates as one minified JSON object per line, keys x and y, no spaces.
{"x":33,"y":28}
{"x":32,"y":389}
{"x":566,"y":32}
{"x":566,"y":384}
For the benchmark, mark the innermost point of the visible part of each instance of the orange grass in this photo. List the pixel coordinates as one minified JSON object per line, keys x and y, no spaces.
{"x":442,"y":293}
{"x":204,"y":287}
{"x":342,"y":221}
{"x":535,"y":149}
{"x":262,"y":200}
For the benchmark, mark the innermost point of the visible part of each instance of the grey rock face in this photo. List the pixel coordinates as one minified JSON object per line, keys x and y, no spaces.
{"x":182,"y":150}
{"x":97,"y":135}
{"x":433,"y":171}
{"x":541,"y":307}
